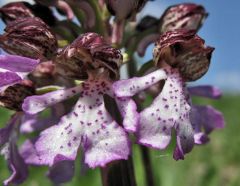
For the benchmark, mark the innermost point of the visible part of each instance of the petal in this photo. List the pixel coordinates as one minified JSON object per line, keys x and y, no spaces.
{"x":31,"y":123}
{"x":8,"y":78}
{"x":41,"y":152}
{"x":17,"y":165}
{"x":208,"y":118}
{"x":35,"y":104}
{"x":185,"y":137}
{"x":62,"y":5}
{"x":145,"y":42}
{"x":6,"y":132}
{"x":28,"y":122}
{"x":62,"y":172}
{"x":90,"y":125}
{"x":17,"y":63}
{"x":129,"y":87}
{"x":200,"y":138}
{"x":128,"y":110}
{"x":205,"y":91}
{"x":187,"y":16}
{"x":167,"y":109}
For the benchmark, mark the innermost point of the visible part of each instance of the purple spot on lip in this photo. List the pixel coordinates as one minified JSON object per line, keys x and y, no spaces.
{"x":70,"y":131}
{"x":89,"y":124}
{"x":75,"y":114}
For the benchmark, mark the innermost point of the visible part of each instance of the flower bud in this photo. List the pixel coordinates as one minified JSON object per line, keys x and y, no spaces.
{"x":125,"y":9}
{"x":88,"y":52}
{"x":146,"y":23}
{"x":12,"y":97}
{"x":60,"y":5}
{"x":12,"y":11}
{"x":184,"y":50}
{"x":29,"y":37}
{"x":183,"y":16}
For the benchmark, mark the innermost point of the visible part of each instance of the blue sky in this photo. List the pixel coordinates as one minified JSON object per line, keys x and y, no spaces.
{"x":221,"y":30}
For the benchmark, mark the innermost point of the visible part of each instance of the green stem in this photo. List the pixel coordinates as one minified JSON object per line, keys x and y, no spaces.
{"x":100,"y":25}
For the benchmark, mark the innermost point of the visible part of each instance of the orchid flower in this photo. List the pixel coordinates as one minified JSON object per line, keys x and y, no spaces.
{"x":184,"y":57}
{"x":88,"y":125}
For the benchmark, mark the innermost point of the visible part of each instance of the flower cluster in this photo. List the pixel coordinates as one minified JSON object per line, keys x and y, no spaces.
{"x":74,"y":70}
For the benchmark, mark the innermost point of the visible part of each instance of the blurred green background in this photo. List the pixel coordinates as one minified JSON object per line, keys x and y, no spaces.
{"x":214,"y":164}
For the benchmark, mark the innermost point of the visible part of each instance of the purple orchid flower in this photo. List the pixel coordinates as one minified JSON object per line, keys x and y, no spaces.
{"x":88,"y":125}
{"x":8,"y":148}
{"x":184,"y":57}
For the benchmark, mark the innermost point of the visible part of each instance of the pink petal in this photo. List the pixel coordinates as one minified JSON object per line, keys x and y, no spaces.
{"x":8,"y":78}
{"x":128,"y":109}
{"x":17,"y":63}
{"x":205,"y":91}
